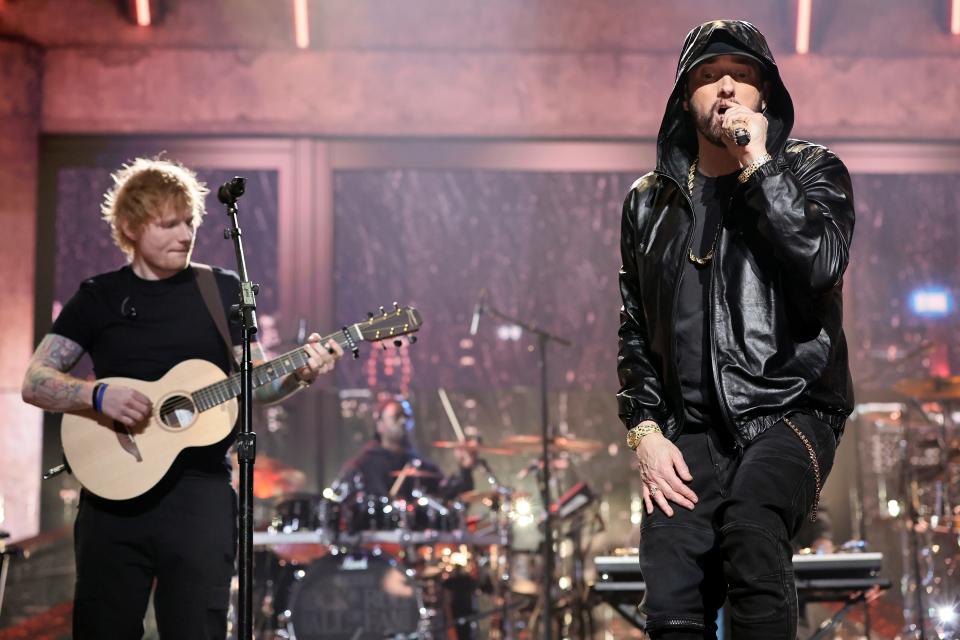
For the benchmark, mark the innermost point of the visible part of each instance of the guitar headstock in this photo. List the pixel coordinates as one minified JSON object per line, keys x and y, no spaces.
{"x":389,"y":323}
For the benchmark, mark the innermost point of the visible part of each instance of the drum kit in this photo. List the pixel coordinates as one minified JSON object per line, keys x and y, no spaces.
{"x":354,"y":566}
{"x":912,"y":464}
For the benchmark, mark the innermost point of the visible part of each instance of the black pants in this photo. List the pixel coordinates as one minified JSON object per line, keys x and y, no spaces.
{"x":182,"y":537}
{"x":736,"y":541}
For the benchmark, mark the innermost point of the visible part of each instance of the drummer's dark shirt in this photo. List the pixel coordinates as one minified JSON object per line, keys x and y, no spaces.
{"x":370,"y":471}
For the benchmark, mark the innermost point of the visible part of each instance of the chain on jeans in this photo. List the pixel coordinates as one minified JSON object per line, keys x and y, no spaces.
{"x":816,"y":466}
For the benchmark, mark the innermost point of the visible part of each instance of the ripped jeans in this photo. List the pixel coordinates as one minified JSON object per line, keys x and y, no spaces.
{"x":736,"y":541}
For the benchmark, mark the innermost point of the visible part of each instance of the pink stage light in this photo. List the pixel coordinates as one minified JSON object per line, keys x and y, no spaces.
{"x":142,"y":10}
{"x":955,"y":17}
{"x":804,"y":11}
{"x":301,"y":24}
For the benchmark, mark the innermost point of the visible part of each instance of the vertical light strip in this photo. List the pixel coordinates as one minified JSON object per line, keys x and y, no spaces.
{"x":955,"y":17}
{"x":301,"y":23}
{"x":804,"y":9}
{"x":143,"y":13}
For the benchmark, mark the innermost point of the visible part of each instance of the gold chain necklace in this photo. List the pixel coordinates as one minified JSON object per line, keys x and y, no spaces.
{"x":701,"y":262}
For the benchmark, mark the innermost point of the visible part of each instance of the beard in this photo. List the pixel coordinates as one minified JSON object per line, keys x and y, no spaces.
{"x":710,"y":125}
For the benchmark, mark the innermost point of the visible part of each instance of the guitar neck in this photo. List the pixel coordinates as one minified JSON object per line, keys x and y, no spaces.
{"x":220,"y":392}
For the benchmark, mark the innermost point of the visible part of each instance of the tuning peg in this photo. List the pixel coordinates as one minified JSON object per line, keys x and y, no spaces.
{"x":383,"y":311}
{"x":398,"y":343}
{"x":370,"y":314}
{"x":413,"y":339}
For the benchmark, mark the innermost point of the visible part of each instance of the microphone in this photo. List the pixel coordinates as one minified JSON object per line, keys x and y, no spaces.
{"x":127,"y":310}
{"x":232,"y":189}
{"x":741,"y":137}
{"x":477,"y":311}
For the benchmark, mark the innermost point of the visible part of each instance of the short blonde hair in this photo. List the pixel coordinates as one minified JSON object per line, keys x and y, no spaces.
{"x":142,"y":188}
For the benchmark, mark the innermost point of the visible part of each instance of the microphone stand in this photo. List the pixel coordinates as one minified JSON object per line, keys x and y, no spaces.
{"x":246,"y":438}
{"x":543,"y":339}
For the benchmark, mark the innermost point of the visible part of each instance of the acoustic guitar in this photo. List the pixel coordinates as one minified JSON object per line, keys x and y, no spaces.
{"x":193,"y":405}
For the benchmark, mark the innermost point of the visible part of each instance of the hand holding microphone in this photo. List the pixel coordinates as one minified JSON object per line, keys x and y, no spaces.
{"x":745,"y":127}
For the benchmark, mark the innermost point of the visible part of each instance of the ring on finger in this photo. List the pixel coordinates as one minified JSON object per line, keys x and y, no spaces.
{"x":653,"y":489}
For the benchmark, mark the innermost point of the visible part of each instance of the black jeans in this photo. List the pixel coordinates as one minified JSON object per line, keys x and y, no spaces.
{"x":184,"y":538}
{"x":736,"y":541}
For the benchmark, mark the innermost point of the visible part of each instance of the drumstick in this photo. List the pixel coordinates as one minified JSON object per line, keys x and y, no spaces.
{"x":451,"y":416}
{"x":400,"y":479}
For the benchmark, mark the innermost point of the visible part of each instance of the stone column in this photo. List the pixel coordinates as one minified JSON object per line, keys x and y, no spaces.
{"x":20,"y":432}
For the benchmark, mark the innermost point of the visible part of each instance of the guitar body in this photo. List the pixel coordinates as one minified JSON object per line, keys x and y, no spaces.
{"x":117,"y":464}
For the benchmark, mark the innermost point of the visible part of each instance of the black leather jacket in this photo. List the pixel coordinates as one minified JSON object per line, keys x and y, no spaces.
{"x":775,"y":316}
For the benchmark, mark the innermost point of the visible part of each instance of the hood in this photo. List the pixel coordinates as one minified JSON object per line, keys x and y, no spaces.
{"x":677,"y":140}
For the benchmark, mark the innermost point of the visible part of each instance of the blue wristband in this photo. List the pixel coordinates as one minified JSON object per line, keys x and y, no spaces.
{"x":98,"y":405}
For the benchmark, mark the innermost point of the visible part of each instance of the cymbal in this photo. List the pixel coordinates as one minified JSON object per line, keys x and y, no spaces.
{"x":415,"y":473}
{"x":528,"y":443}
{"x":472,"y":446}
{"x":272,"y":478}
{"x":490,"y":494}
{"x":946,"y":388}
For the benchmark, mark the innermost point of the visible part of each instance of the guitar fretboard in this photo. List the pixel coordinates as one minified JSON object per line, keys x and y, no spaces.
{"x":220,"y":392}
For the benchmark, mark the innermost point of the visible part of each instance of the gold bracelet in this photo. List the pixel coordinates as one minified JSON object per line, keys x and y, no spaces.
{"x":751,"y":168}
{"x":645,"y":428}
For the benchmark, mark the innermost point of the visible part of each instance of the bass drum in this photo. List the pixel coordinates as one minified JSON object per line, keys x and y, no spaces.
{"x":352,"y":597}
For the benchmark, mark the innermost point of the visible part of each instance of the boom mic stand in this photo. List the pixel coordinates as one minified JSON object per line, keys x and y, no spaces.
{"x":228,"y":194}
{"x":543,"y":339}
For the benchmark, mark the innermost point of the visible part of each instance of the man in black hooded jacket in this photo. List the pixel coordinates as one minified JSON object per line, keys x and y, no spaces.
{"x":732,"y":359}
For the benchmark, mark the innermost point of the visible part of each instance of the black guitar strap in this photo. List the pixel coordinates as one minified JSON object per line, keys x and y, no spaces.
{"x":207,"y":284}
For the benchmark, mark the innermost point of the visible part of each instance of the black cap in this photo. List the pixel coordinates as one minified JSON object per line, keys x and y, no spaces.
{"x":721,"y":44}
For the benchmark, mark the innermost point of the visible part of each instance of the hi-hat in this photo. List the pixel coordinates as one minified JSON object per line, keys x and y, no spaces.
{"x":530,"y":444}
{"x":473,"y":447}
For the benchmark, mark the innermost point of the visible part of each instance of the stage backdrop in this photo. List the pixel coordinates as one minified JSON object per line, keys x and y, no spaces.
{"x":544,"y":246}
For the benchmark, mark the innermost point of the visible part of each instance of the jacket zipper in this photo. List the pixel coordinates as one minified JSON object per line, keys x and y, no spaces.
{"x":681,"y":419}
{"x":724,"y":407}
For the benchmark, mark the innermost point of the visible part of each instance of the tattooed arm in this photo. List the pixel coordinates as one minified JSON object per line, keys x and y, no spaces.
{"x":321,"y":360}
{"x":47,"y":383}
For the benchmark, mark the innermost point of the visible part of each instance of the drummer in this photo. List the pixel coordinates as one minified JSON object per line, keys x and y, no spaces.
{"x":374,"y":470}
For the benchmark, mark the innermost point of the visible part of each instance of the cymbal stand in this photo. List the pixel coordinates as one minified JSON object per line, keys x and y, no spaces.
{"x":913,"y":540}
{"x":543,"y":339}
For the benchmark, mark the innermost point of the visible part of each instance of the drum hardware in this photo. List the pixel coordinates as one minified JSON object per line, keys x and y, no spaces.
{"x":915,"y":463}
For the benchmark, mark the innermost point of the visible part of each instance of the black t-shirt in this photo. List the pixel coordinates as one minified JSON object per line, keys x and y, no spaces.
{"x":710,"y":198}
{"x":136,"y":328}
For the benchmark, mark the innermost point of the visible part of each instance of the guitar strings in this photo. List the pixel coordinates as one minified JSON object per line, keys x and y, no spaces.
{"x":214,"y":391}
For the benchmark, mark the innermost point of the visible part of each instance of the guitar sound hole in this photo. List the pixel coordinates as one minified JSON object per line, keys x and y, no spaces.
{"x":177,"y":412}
